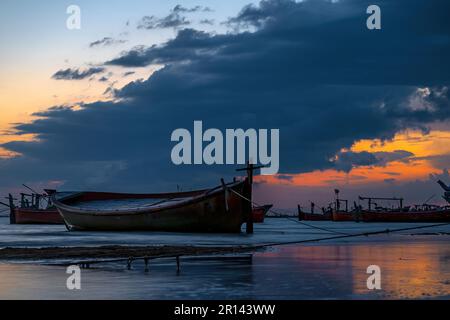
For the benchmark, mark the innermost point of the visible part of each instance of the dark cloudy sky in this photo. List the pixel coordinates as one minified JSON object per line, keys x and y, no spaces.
{"x":363,"y":110}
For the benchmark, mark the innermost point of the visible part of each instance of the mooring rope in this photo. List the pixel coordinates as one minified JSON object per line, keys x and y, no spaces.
{"x":282,"y":216}
{"x":129,"y":260}
{"x":349,"y":235}
{"x":4,"y":215}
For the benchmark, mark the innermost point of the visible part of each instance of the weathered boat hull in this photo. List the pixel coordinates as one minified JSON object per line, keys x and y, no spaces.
{"x":218,"y":210}
{"x":259,"y":213}
{"x":34,"y":216}
{"x":406,"y":216}
{"x":343,"y":216}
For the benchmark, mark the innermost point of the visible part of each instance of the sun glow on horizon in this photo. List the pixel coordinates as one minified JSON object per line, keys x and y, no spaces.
{"x":425,"y":148}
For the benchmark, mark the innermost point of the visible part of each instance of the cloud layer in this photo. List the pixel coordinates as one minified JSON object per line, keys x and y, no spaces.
{"x":311,"y":69}
{"x":175,"y":19}
{"x":76,"y":74}
{"x":106,"y":41}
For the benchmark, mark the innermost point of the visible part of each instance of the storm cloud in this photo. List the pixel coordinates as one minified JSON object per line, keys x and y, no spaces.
{"x":347,"y":160}
{"x":106,"y":41}
{"x":311,"y":69}
{"x":76,"y":74}
{"x":175,"y":19}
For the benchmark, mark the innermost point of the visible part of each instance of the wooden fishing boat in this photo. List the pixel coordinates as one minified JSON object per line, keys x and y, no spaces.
{"x":31,"y":210}
{"x":343,"y":216}
{"x":259,"y":213}
{"x":432,"y":215}
{"x":221,"y":209}
{"x":35,"y":216}
{"x":326,"y":216}
{"x":418,"y":213}
{"x":312,"y":216}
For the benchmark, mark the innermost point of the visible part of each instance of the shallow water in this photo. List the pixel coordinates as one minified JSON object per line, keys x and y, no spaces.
{"x":408,"y":270}
{"x":273,"y":230}
{"x":414,"y":264}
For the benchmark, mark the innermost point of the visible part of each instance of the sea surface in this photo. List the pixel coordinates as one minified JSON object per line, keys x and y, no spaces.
{"x":414,"y":264}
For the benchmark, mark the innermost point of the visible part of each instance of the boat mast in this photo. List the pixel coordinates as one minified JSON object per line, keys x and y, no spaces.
{"x":248,"y":192}
{"x":400,"y":200}
{"x":12,"y":215}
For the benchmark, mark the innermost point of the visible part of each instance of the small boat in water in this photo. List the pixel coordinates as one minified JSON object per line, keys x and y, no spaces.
{"x":311,"y":216}
{"x":34,"y":209}
{"x":220,"y":209}
{"x":259,"y":213}
{"x":35,"y":216}
{"x":417,"y":214}
{"x":400,"y":213}
{"x":340,"y":215}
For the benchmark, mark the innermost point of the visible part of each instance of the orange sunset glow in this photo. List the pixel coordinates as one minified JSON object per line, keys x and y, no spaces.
{"x":419,"y":166}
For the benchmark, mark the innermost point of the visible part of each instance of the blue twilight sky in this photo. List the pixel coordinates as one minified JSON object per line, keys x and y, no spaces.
{"x":41,"y":25}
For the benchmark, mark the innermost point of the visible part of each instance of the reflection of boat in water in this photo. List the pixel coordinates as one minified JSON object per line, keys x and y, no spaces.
{"x":36,"y":216}
{"x":34,"y":208}
{"x":259,"y":213}
{"x":215,"y":210}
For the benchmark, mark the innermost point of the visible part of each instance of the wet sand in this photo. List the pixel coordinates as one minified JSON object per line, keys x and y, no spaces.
{"x":409,"y":270}
{"x":414,"y":264}
{"x":109,"y":252}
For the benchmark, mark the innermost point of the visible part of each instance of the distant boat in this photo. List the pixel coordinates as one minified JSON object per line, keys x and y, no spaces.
{"x":312,"y":216}
{"x":36,"y":216}
{"x":418,"y":213}
{"x":259,"y":213}
{"x":325,"y":216}
{"x":30,"y":210}
{"x":343,"y":216}
{"x":339,"y":214}
{"x":215,"y":210}
{"x":425,"y":214}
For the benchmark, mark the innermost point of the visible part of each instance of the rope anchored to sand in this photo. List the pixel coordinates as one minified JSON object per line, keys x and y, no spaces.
{"x":350,"y":235}
{"x":288,"y":218}
{"x":341,"y":235}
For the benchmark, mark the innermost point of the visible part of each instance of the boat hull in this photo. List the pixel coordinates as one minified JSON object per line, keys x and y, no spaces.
{"x":343,"y":216}
{"x":34,"y":216}
{"x":399,"y":216}
{"x":217,"y":211}
{"x":259,"y":213}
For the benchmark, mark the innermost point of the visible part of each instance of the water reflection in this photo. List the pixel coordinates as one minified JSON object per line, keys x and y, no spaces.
{"x":409,"y":270}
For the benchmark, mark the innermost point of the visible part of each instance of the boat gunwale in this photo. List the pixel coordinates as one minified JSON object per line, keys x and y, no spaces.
{"x":207,"y":193}
{"x":424,"y":212}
